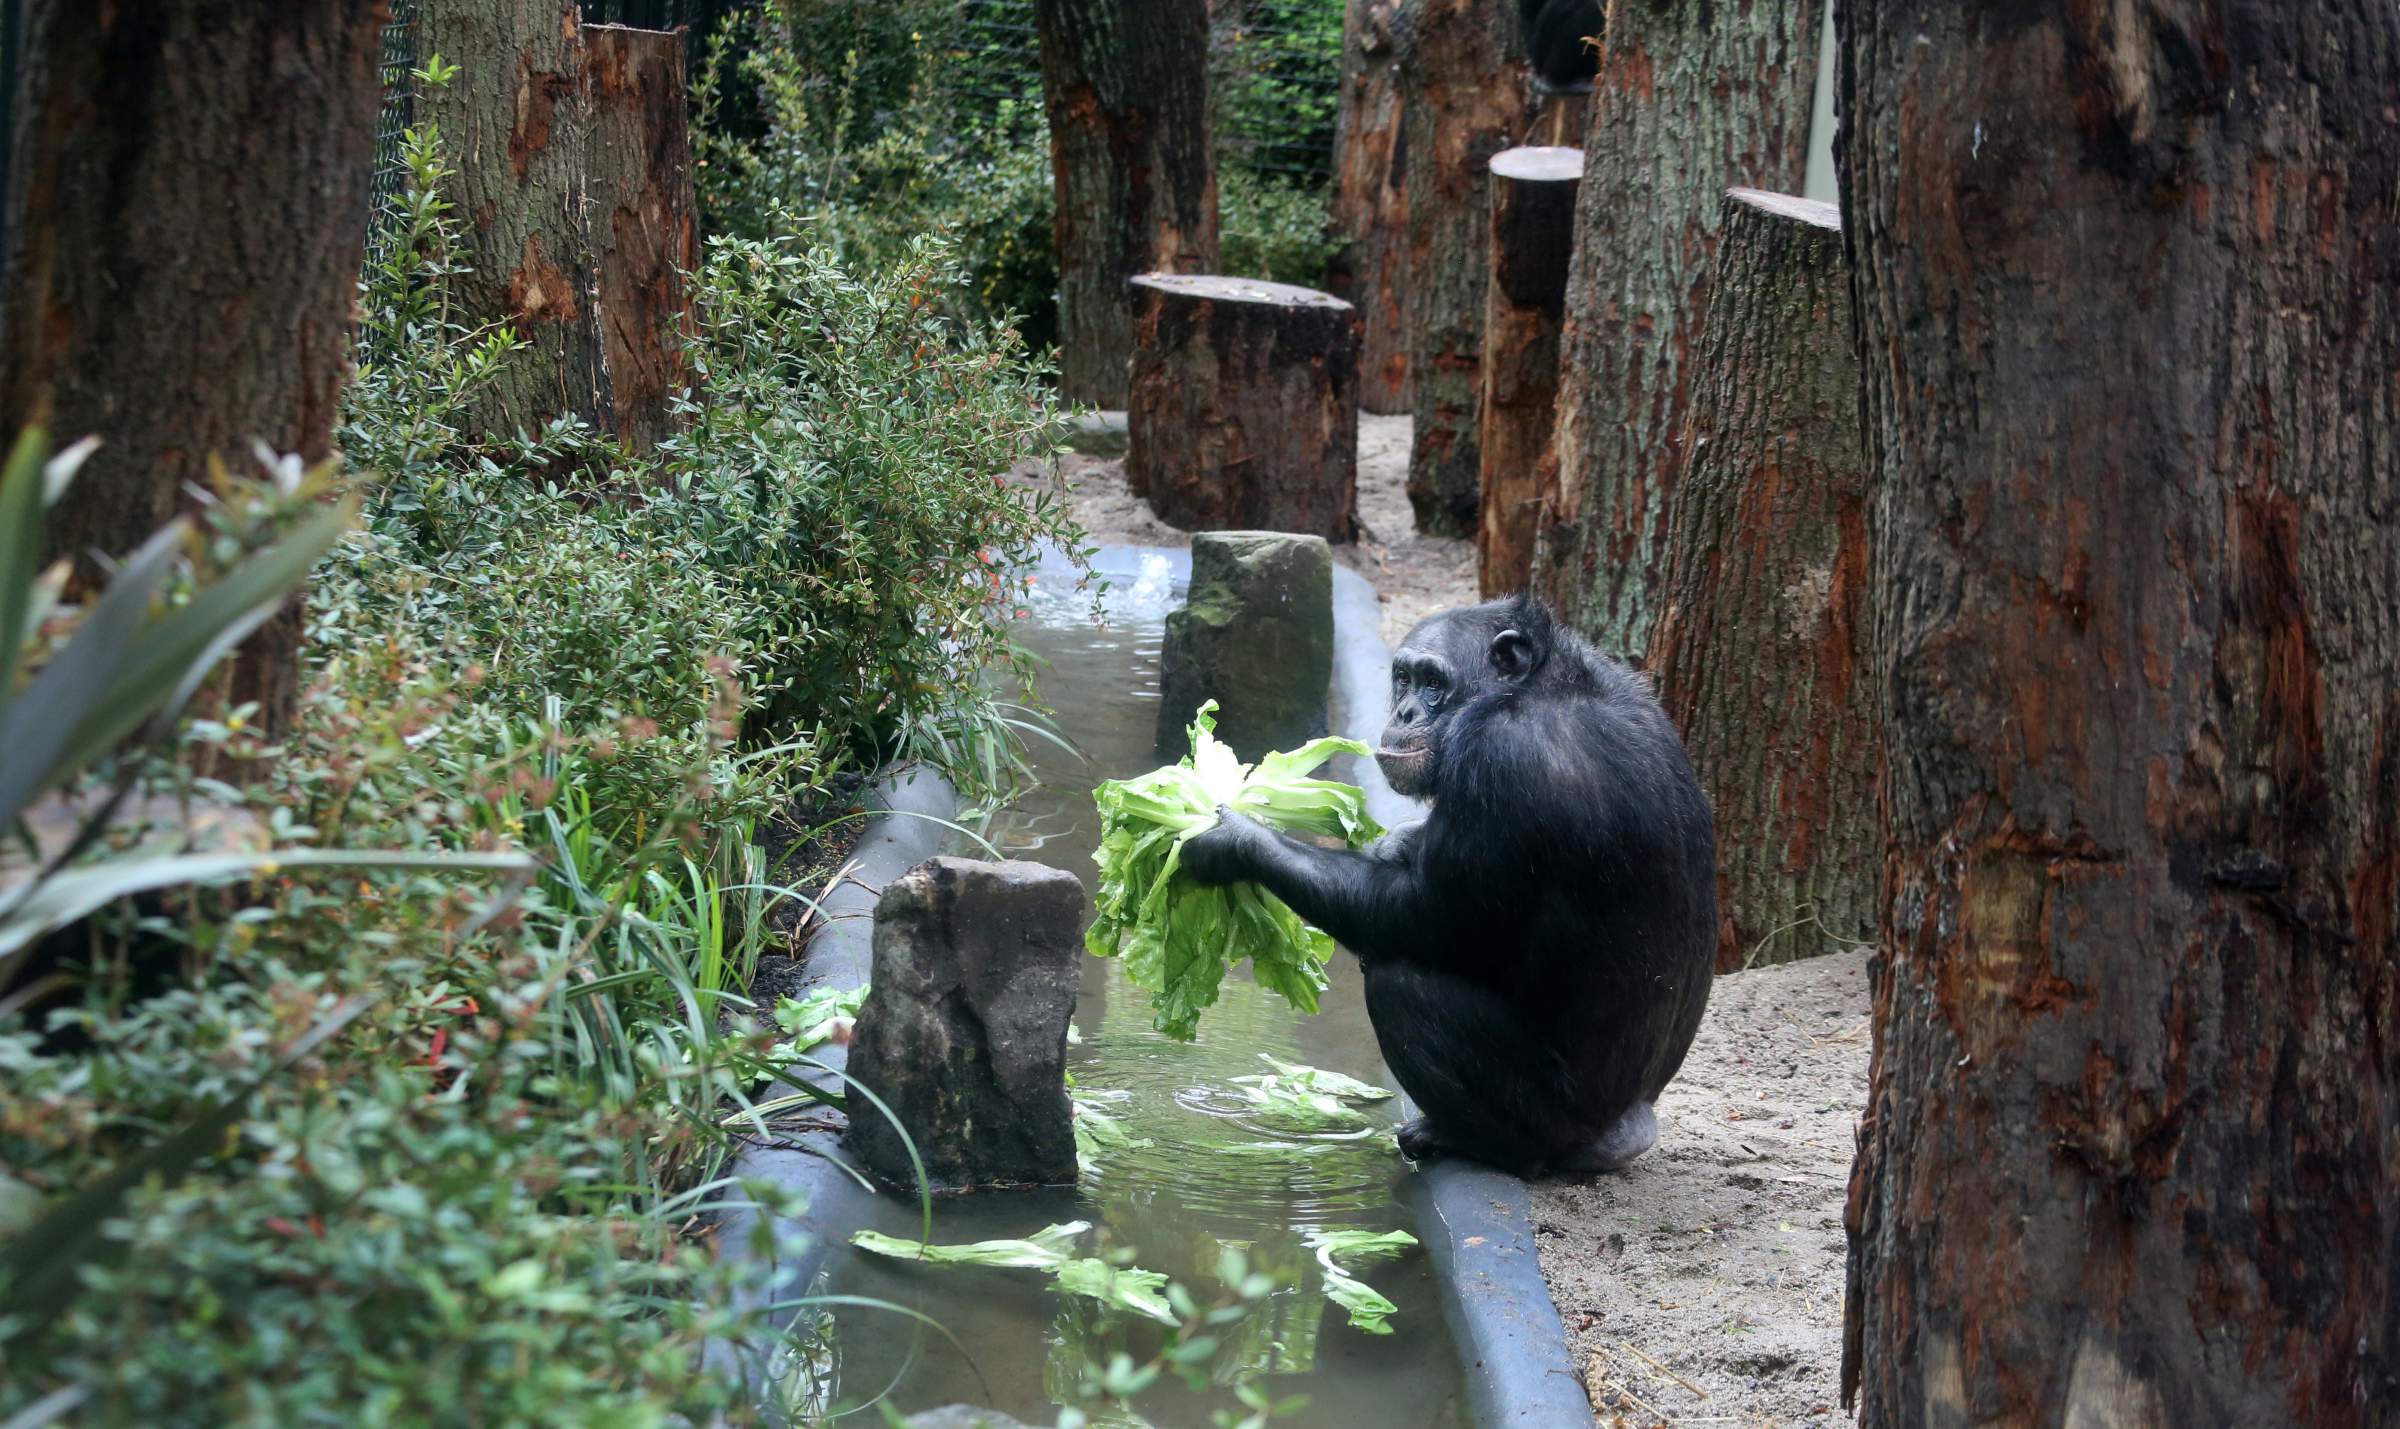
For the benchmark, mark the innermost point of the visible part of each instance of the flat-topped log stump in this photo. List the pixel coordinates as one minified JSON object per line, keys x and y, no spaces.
{"x":1761,"y":646}
{"x":1242,"y":408}
{"x":1533,"y":234}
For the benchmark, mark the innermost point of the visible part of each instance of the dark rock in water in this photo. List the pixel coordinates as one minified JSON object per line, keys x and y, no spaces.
{"x":1255,"y":635}
{"x":964,"y":1416}
{"x":964,"y":1031}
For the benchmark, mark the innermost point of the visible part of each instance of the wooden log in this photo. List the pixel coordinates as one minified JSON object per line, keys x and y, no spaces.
{"x":1532,"y":234}
{"x":1466,"y":88}
{"x":1370,"y":203}
{"x":1760,"y":650}
{"x":1690,"y":100}
{"x":514,"y":127}
{"x":1125,"y":83}
{"x":645,"y":234}
{"x":182,"y":213}
{"x":2132,"y":1129}
{"x":1242,"y":409}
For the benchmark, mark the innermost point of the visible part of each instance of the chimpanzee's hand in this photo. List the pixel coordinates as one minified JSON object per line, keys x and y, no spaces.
{"x":1223,"y":854}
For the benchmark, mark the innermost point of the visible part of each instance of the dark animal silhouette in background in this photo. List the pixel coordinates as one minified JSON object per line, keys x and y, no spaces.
{"x":1556,"y":34}
{"x":1538,"y":949}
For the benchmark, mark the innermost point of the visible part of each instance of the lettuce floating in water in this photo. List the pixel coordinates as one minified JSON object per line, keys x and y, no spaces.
{"x":1370,"y":1310}
{"x":1049,"y":1249}
{"x":1178,"y":938}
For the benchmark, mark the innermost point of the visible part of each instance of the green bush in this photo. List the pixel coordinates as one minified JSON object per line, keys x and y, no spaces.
{"x":1274,"y":229}
{"x":475,"y":1200}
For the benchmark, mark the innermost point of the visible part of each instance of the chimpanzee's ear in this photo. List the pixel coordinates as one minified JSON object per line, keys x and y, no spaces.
{"x":1513,"y":655}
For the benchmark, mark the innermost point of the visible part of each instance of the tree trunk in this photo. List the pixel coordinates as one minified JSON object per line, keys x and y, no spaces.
{"x":516,"y":125}
{"x":1690,"y":100}
{"x":1532,"y":231}
{"x":2128,"y":294}
{"x":1464,"y":92}
{"x":1243,"y":407}
{"x":1370,"y":203}
{"x":184,"y":220}
{"x":1131,"y":157}
{"x":645,"y":234}
{"x":1761,"y":640}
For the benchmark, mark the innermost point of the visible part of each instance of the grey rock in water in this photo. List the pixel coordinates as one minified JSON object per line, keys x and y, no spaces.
{"x":964,"y":1416}
{"x":1255,"y":635}
{"x":964,"y":1031}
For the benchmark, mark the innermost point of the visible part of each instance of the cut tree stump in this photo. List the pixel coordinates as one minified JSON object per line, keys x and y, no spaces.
{"x":1760,"y":650}
{"x":1466,"y":91}
{"x":1133,"y":165}
{"x":1690,"y":100}
{"x":515,"y":127}
{"x":1242,"y":412}
{"x":645,"y":237}
{"x":1370,"y":203}
{"x":1533,"y":234}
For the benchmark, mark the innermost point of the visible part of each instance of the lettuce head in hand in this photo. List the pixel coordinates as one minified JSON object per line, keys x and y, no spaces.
{"x":1178,"y":939}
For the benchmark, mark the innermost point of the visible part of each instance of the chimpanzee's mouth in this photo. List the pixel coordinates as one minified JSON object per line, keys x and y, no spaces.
{"x":1402,"y":764}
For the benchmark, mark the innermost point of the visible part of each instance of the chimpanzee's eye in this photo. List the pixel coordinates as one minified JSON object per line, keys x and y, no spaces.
{"x":1434,"y":689}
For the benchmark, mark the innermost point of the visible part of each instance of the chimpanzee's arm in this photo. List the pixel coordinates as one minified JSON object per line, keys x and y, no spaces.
{"x":1373,"y":903}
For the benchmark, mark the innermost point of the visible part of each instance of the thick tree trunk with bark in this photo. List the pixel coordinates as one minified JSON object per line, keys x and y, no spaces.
{"x":516,"y":125}
{"x":184,"y":224}
{"x":1134,"y":166}
{"x":1532,"y":234}
{"x":1690,"y":100}
{"x":2128,"y":286}
{"x":1243,"y":408}
{"x":644,"y":223}
{"x":1761,"y":646}
{"x":1370,"y":203}
{"x":1464,"y":90}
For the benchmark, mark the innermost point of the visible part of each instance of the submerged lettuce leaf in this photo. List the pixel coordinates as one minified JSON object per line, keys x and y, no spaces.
{"x":1049,"y":1249}
{"x":1370,"y":1310}
{"x":1179,"y":939}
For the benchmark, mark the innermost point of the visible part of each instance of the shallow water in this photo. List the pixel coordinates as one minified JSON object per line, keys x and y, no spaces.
{"x":1210,"y":1175}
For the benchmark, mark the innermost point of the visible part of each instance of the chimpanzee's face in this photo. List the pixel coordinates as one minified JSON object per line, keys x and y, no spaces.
{"x":1427,"y":685}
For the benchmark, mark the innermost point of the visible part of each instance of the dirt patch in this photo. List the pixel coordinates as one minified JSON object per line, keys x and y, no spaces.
{"x":1715,"y":1263}
{"x":1414,"y":575}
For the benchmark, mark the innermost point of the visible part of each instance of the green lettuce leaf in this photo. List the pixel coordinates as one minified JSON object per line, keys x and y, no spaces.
{"x":1045,"y":1249}
{"x":1178,"y":939}
{"x":1122,"y":1286}
{"x":1370,"y":1310}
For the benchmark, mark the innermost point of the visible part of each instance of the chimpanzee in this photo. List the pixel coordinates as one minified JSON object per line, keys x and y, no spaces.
{"x":1539,"y":948}
{"x":1555,"y":34}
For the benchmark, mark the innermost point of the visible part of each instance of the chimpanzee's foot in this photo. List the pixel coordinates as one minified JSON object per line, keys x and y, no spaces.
{"x":1417,"y":1139}
{"x":1634,"y":1133}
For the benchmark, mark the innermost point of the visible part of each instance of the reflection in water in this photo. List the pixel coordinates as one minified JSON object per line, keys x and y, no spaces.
{"x":1212,"y":1172}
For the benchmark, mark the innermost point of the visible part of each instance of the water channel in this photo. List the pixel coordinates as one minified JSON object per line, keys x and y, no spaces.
{"x":1210,"y":1174}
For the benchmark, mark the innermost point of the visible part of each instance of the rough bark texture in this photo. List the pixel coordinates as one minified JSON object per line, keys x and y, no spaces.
{"x":516,"y":126}
{"x":644,"y":224}
{"x":1761,"y":642}
{"x":1690,"y":100}
{"x":1370,"y":203}
{"x":1532,"y":234}
{"x":2128,"y":293}
{"x":1134,"y":166}
{"x":185,"y":220}
{"x":1465,"y":92}
{"x":1243,"y":409}
{"x":1558,"y":118}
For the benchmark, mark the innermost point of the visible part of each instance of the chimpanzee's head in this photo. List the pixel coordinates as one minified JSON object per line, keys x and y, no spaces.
{"x":1447,"y":663}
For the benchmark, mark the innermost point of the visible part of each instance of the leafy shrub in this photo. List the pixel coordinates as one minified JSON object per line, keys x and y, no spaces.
{"x":1274,"y":229}
{"x":861,"y":125}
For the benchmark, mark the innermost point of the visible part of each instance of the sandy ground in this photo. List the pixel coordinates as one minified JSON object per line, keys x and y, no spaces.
{"x":1415,"y":575}
{"x":1715,"y":1263}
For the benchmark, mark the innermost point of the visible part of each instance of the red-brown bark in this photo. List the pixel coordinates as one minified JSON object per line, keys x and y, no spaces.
{"x":1370,"y":203}
{"x":185,"y":223}
{"x":1125,"y":83}
{"x":2128,"y":292}
{"x":1761,"y":641}
{"x":1532,"y":233}
{"x":644,"y":224}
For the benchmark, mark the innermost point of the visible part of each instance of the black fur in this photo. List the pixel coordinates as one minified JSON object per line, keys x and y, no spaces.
{"x":1556,"y":32}
{"x":1538,"y":949}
